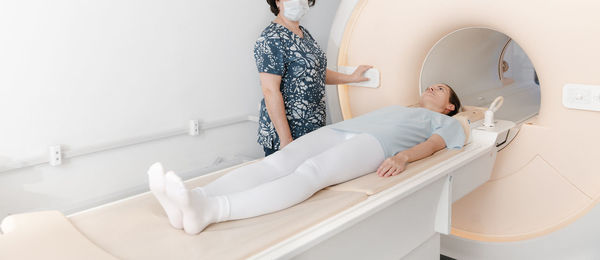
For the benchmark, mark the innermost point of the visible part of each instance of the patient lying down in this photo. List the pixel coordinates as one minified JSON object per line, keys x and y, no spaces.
{"x":383,"y":141}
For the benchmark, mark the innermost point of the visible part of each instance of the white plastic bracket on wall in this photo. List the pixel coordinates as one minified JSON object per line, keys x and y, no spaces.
{"x":194,"y":127}
{"x":55,"y":155}
{"x":372,"y":74}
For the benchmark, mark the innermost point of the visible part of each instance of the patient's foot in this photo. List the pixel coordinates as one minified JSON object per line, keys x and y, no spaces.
{"x":198,"y":210}
{"x":156,"y":180}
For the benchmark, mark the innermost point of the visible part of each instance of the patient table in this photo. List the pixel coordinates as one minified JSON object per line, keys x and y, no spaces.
{"x":366,"y":218}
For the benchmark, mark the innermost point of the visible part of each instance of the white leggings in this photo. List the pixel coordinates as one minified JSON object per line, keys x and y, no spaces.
{"x":312,"y":162}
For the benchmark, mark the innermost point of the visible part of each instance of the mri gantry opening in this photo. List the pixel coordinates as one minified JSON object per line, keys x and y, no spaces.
{"x":481,"y":64}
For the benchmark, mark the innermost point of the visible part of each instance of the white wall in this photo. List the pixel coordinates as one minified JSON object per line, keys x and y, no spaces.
{"x":86,"y":73}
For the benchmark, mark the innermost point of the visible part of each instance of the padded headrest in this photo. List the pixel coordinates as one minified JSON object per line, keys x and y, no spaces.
{"x":468,"y":115}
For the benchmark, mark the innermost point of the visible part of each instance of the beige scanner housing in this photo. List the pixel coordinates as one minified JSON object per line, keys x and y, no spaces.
{"x":547,"y":177}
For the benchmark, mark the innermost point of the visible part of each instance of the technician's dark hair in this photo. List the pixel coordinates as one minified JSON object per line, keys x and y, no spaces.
{"x":454,"y":101}
{"x":275,"y":10}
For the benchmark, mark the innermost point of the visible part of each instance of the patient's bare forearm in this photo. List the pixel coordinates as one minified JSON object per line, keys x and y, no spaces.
{"x":424,"y":149}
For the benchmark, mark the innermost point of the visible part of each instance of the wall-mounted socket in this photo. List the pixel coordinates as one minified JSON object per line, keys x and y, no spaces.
{"x":194,"y":128}
{"x":55,"y":155}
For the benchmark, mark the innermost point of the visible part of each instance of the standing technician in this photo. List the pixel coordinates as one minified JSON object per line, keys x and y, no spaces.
{"x":293,"y":74}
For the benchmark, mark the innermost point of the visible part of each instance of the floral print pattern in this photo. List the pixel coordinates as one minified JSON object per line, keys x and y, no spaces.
{"x":302,"y":66}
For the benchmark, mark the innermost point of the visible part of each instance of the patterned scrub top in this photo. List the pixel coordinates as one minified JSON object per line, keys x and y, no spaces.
{"x":302,"y":66}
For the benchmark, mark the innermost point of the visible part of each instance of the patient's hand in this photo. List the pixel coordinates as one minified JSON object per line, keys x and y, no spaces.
{"x":393,"y":166}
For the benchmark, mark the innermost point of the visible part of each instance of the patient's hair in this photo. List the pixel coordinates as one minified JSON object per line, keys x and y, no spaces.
{"x":275,"y":10}
{"x":454,"y":101}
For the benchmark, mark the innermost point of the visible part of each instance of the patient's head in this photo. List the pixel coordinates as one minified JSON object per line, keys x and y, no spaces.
{"x":440,"y":98}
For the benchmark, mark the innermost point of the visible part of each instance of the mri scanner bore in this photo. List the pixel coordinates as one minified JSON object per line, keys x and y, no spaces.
{"x":462,"y":59}
{"x":544,"y":182}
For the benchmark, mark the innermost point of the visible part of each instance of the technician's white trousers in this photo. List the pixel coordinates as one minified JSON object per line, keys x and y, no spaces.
{"x":312,"y":162}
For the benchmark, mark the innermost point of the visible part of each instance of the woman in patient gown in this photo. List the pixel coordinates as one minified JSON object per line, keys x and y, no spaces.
{"x":383,"y":141}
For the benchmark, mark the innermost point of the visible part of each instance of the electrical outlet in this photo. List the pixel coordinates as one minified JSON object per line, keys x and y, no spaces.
{"x":194,"y":128}
{"x":55,"y":155}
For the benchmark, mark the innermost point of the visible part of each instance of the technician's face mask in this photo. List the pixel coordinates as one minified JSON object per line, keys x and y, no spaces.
{"x":295,"y":9}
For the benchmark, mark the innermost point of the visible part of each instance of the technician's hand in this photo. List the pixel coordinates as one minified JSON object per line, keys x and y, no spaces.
{"x":358,"y":74}
{"x":393,"y":166}
{"x":285,"y":141}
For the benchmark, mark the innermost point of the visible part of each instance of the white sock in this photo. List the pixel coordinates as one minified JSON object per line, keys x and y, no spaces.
{"x":198,"y":209}
{"x":156,"y":181}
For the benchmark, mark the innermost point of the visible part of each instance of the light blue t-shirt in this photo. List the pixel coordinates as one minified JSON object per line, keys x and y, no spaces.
{"x":399,"y":128}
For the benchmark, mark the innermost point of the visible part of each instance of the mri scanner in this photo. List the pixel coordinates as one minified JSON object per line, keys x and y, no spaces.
{"x":527,"y":188}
